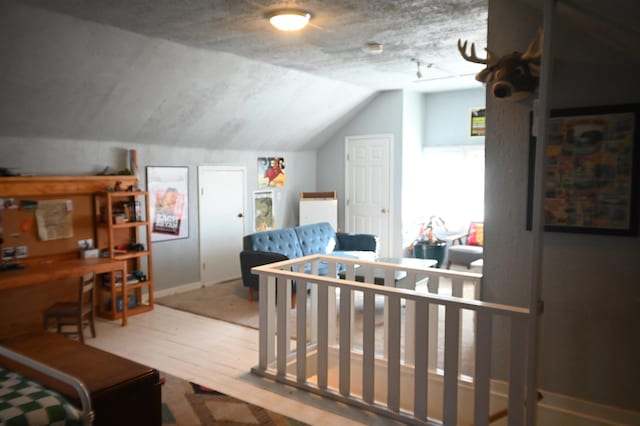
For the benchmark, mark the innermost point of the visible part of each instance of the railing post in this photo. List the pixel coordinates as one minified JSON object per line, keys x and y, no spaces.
{"x":368,"y":346}
{"x":393,"y":360}
{"x":451,"y":349}
{"x":301,"y":334}
{"x":345,"y":340}
{"x":517,"y":372}
{"x":482,"y":379}
{"x":434,"y":315}
{"x":421,"y":371}
{"x":323,"y":332}
{"x":266,"y":292}
{"x":420,"y":326}
{"x":283,"y":296}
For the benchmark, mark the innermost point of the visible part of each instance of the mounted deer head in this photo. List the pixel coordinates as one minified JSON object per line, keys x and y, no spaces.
{"x":515,"y":75}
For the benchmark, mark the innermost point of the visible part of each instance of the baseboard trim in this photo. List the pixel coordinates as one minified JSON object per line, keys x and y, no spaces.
{"x":178,"y":289}
{"x":187,"y":287}
{"x":565,"y":410}
{"x":559,"y":409}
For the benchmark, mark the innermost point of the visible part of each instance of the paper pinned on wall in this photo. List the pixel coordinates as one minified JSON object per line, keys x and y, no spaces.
{"x":54,"y":219}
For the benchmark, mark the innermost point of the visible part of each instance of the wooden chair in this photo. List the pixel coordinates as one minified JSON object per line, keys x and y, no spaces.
{"x":76,"y":314}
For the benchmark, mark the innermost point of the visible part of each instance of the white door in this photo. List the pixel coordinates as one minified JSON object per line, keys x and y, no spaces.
{"x":222,"y":221}
{"x":369,"y":178}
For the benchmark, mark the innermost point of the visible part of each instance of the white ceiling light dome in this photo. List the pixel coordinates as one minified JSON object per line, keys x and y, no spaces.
{"x":289,"y":19}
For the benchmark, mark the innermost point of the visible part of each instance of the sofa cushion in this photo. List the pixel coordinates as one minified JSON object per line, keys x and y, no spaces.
{"x":356,"y":242}
{"x":317,"y":238}
{"x":476,"y":234}
{"x":283,"y":241}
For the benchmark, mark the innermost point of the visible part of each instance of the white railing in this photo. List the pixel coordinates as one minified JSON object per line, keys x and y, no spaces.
{"x":403,"y":349}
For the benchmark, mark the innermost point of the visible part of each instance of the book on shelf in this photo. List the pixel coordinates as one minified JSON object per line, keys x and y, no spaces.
{"x":131,"y":279}
{"x":132,"y":211}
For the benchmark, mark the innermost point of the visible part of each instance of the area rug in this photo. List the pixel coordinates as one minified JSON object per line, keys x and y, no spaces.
{"x":227,"y":301}
{"x":188,"y":404}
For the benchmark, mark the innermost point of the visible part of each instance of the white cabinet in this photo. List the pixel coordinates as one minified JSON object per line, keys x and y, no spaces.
{"x":319,"y":207}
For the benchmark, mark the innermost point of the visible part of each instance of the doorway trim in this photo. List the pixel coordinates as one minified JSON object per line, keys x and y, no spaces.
{"x":390,"y":214}
{"x":220,"y":168}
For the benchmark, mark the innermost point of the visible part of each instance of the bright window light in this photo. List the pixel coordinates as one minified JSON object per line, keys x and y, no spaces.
{"x":452,"y":180}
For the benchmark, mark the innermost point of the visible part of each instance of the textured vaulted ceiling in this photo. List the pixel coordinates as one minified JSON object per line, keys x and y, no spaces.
{"x":333,"y":46}
{"x":215,"y":74}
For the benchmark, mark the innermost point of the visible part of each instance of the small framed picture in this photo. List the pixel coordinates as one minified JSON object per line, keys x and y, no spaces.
{"x":591,"y":170}
{"x":263,"y":215}
{"x":478,"y":121}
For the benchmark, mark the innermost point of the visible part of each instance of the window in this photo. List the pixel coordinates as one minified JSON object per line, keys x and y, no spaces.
{"x":452,"y":188}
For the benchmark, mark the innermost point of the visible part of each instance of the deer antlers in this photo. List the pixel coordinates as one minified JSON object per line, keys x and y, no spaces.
{"x":462,"y":48}
{"x":531,"y":54}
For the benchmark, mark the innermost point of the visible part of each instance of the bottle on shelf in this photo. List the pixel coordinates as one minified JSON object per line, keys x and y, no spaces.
{"x":123,"y":232}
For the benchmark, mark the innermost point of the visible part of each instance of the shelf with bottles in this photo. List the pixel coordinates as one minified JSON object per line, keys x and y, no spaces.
{"x":137,"y":302}
{"x":123,"y":232}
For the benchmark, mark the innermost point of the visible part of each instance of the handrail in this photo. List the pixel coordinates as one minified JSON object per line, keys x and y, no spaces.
{"x":322,"y":355}
{"x":85,"y":399}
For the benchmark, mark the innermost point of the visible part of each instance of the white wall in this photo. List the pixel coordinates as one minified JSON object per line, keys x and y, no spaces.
{"x":175,"y":262}
{"x":383,"y":115}
{"x":589,"y":330}
{"x":413,"y":186}
{"x":447,"y":117}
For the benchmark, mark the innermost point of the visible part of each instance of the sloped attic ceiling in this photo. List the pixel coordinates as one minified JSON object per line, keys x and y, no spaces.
{"x":72,"y":79}
{"x":150,"y":72}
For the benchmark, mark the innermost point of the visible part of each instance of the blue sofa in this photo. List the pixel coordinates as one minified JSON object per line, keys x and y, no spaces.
{"x":265,"y":247}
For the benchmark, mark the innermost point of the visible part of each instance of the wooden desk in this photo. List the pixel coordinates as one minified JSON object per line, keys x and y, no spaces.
{"x":22,"y":303}
{"x":52,"y":270}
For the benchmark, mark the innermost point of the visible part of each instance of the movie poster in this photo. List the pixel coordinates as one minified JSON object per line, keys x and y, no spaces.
{"x":271,"y":172}
{"x":263,"y":217}
{"x":168,"y":202}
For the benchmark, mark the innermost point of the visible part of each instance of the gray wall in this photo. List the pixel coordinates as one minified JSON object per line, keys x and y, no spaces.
{"x":176,"y":262}
{"x":383,"y":115}
{"x":589,"y":330}
{"x":447,"y":117}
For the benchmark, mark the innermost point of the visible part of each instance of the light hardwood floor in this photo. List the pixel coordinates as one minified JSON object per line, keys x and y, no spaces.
{"x":219,"y":355}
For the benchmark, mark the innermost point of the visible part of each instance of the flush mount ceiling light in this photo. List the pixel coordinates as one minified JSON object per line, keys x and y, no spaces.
{"x":289,"y":19}
{"x":373,"y":48}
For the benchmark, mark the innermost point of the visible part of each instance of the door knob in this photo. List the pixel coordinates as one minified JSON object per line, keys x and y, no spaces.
{"x":383,"y":210}
{"x":240,"y":215}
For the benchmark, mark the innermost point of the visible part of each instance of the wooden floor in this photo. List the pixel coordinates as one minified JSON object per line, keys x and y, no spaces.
{"x":219,"y":355}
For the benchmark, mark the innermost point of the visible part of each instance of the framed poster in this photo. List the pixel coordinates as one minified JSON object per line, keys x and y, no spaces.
{"x":591,"y":170}
{"x":271,"y":172}
{"x":263,"y":216}
{"x":168,"y":189}
{"x":478,"y":121}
